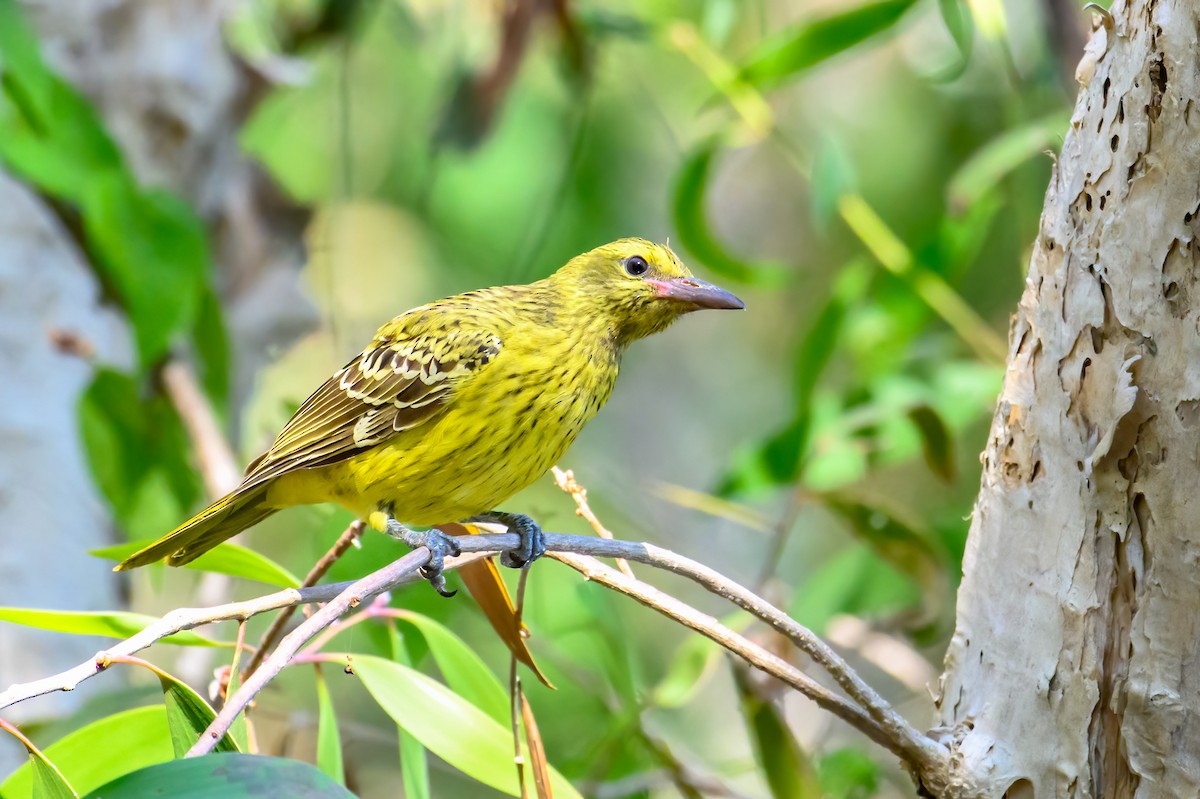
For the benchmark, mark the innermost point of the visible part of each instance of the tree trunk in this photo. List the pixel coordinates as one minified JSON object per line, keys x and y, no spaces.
{"x":175,"y":120}
{"x":1075,"y":667}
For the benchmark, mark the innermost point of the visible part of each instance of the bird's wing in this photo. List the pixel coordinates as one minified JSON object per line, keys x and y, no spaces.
{"x":407,"y":376}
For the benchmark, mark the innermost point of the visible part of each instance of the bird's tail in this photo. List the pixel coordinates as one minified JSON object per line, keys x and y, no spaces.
{"x":223,"y":519}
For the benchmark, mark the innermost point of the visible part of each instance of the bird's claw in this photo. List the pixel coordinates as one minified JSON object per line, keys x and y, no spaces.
{"x":533,"y":540}
{"x":440,"y":547}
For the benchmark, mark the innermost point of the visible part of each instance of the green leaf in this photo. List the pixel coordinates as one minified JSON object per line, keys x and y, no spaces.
{"x":148,"y":247}
{"x":787,"y":769}
{"x":210,"y":340}
{"x":780,"y":459}
{"x":935,"y":441}
{"x":228,"y":775}
{"x":188,"y":715}
{"x":239,"y":730}
{"x":226,"y":558}
{"x":898,"y":541}
{"x":718,"y":21}
{"x":961,"y":237}
{"x":693,"y":663}
{"x":50,"y":135}
{"x":833,"y":175}
{"x":956,"y":14}
{"x":449,"y":726}
{"x":691,"y":220}
{"x":48,"y":781}
{"x":152,"y":249}
{"x":854,"y":581}
{"x":113,"y":435}
{"x":464,"y":671}
{"x":981,"y":173}
{"x":809,"y":43}
{"x":848,"y":774}
{"x":414,"y":765}
{"x":110,"y":624}
{"x":138,"y":452}
{"x":329,"y":741}
{"x":102,"y":751}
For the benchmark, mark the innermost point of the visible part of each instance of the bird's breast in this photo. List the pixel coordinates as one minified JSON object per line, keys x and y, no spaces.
{"x":501,"y":432}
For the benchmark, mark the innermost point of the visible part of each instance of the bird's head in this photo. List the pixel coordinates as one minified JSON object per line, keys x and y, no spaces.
{"x":637,"y":287}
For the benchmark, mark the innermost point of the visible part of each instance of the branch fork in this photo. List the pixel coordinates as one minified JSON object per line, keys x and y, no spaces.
{"x":865,"y":709}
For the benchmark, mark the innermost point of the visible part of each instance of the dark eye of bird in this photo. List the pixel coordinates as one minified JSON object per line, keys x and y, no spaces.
{"x":636,"y":265}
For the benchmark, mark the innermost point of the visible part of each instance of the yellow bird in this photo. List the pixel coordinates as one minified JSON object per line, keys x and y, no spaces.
{"x":459,"y":404}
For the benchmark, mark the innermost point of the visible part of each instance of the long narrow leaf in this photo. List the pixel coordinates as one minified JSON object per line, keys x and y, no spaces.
{"x":226,"y":558}
{"x":229,"y":775}
{"x":537,"y":752}
{"x":414,"y":764}
{"x":48,"y":781}
{"x":463,"y":670}
{"x":787,"y":769}
{"x":990,"y":164}
{"x":329,"y":742}
{"x":449,"y":726}
{"x":110,"y":624}
{"x":691,"y":219}
{"x":487,"y":588}
{"x":127,"y":741}
{"x":188,"y":715}
{"x":814,"y":41}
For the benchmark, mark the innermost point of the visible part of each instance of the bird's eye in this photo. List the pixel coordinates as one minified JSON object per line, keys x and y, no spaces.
{"x":636,"y":265}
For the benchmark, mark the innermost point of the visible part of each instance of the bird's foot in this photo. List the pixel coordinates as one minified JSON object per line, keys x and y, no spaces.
{"x":440,"y":547}
{"x":533,"y":540}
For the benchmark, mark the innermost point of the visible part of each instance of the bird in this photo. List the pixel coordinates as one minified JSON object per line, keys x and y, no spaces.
{"x":456,"y":405}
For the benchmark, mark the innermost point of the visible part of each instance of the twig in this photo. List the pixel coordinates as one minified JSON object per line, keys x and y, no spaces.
{"x":217,"y":466}
{"x":566,"y":481}
{"x":915,"y":743}
{"x":183,"y":619}
{"x":738,"y":644}
{"x":376,"y":610}
{"x":351,"y":596}
{"x":346,"y":540}
{"x":396,"y":572}
{"x":174,"y":622}
{"x":514,"y":687}
{"x":882,"y":724}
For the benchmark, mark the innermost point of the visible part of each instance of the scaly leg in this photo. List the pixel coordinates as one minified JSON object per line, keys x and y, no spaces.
{"x":438,"y":543}
{"x":533,"y":540}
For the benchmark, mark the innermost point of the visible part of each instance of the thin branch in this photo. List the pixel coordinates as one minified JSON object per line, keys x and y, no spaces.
{"x":736,"y":643}
{"x":351,"y":596}
{"x":514,"y":686}
{"x":882,"y":724}
{"x":217,"y":466}
{"x":566,"y":481}
{"x":896,"y":735}
{"x":395,"y":573}
{"x":174,"y":622}
{"x":347,"y":539}
{"x":808,"y":642}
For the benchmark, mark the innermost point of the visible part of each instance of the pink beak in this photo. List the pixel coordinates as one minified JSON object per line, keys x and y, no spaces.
{"x":697,"y":293}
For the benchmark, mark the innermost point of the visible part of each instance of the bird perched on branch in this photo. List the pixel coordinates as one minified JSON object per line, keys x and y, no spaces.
{"x":457,"y":405}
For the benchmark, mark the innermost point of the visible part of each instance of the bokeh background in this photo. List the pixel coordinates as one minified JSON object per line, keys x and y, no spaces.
{"x":247,"y":190}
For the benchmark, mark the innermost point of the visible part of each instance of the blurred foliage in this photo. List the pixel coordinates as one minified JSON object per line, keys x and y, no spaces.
{"x":867,"y":174}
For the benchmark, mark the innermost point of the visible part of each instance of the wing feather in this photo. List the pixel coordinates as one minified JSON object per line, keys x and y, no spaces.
{"x":407,"y":376}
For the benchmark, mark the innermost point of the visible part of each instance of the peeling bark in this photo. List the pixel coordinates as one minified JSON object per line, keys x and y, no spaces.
{"x":1073,"y":669}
